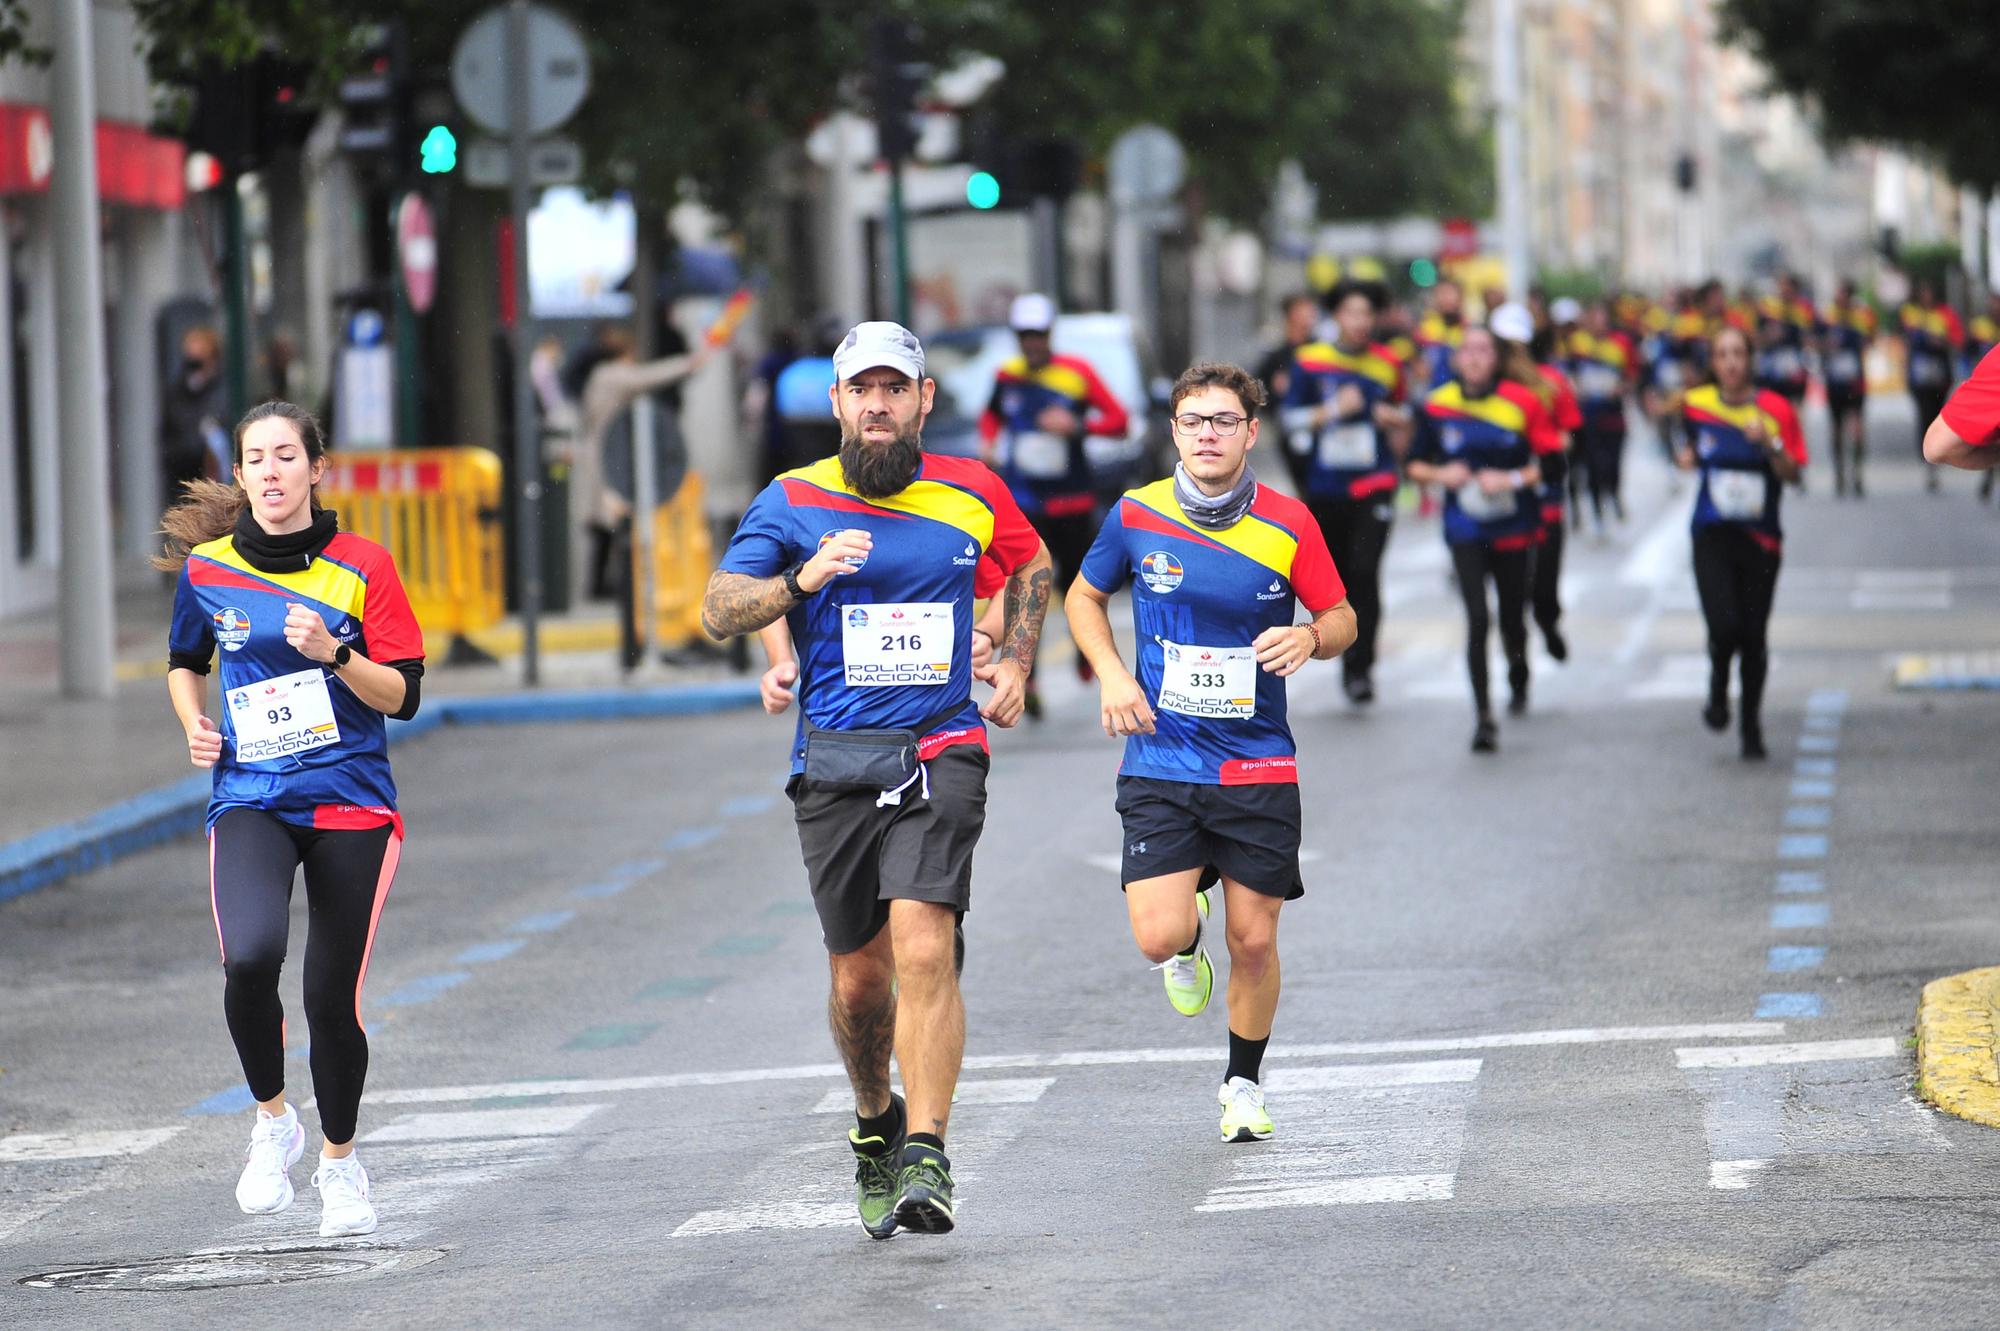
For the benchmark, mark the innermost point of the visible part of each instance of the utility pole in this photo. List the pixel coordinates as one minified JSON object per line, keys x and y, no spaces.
{"x":1510,"y":157}
{"x":527,"y":425}
{"x":86,"y":595}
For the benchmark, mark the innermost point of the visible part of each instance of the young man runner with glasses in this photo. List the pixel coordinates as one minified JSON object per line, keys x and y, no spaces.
{"x":1208,"y":789}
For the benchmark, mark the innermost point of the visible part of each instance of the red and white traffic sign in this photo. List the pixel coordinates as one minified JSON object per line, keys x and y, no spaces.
{"x":416,"y":251}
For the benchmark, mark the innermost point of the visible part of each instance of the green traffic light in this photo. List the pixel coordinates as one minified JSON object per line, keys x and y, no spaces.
{"x":440,"y":150}
{"x":982,"y":190}
{"x":1423,"y":273}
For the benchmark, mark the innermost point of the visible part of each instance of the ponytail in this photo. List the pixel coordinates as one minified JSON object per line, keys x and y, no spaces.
{"x":208,"y":510}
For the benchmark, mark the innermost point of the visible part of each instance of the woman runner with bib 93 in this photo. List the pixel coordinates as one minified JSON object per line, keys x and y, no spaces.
{"x":1746,"y":444}
{"x":318,"y":646}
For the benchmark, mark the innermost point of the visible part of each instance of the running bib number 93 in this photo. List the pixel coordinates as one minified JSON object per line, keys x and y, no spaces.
{"x":1208,"y":681}
{"x":896,"y":642}
{"x":282,"y":717}
{"x":1738,"y":496}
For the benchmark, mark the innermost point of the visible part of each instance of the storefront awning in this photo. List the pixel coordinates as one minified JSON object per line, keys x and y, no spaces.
{"x":134,"y":168}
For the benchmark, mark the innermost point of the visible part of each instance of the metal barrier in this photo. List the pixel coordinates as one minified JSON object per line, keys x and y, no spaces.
{"x":437,"y":510}
{"x":683,"y":558}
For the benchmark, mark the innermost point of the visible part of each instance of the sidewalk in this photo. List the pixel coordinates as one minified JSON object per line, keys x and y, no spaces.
{"x":67,"y":759}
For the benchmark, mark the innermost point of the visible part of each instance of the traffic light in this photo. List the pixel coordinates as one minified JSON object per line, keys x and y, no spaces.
{"x":374,"y":99}
{"x":439,"y":151}
{"x":895,"y":80}
{"x":982,"y":190}
{"x":243,"y":115}
{"x":1423,"y":273}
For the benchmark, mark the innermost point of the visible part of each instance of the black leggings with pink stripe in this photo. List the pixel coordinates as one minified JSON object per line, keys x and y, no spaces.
{"x":253,"y":859}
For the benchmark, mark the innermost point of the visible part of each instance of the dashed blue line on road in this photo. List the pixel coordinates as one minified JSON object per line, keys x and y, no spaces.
{"x":681,"y":986}
{"x":1783,"y":959}
{"x":1819,"y":744}
{"x":1812,"y":790}
{"x":1822,"y":722}
{"x":1799,"y":915}
{"x":610,"y":887}
{"x":614,"y":1036}
{"x":1808,"y":815}
{"x":1821,"y":767}
{"x":748,"y":806}
{"x":741,"y":945}
{"x":232,"y":1101}
{"x":495,"y":951}
{"x":424,"y":988}
{"x":1804,"y":846}
{"x":547,"y":922}
{"x":1827,"y":700}
{"x":690,"y":837}
{"x":1797,"y":881}
{"x":1787,"y":1005}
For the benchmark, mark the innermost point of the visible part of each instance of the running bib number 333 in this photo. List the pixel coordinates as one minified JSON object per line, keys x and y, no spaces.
{"x":281,"y":717}
{"x":1208,"y":681}
{"x":896,"y":642}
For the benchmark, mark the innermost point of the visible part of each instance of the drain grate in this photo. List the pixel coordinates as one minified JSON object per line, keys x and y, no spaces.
{"x":236,"y":1266}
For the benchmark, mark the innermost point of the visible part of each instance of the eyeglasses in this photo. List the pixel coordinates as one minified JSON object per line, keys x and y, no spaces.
{"x":1226,"y":423}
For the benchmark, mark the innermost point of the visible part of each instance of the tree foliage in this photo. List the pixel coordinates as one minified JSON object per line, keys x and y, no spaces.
{"x":1908,"y":72}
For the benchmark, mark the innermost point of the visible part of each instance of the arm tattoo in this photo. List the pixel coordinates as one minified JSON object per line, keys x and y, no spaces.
{"x":1027,"y":604}
{"x":738,"y":603}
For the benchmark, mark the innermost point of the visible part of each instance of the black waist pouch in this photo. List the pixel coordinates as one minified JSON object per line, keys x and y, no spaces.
{"x":867,"y":759}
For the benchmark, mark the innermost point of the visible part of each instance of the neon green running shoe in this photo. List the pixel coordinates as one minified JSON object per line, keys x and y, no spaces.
{"x":923,"y":1199}
{"x":877,"y":1181}
{"x":1243,"y":1116}
{"x":1190,"y":978}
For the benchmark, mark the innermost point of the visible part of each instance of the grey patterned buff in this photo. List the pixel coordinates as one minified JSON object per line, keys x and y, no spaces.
{"x":1219,"y":511}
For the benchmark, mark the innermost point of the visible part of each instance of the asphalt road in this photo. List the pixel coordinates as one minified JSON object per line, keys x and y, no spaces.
{"x":1608,"y":1030}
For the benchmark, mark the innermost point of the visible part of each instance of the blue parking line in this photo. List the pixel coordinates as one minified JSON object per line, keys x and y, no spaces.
{"x":1787,"y":1005}
{"x":1803,"y":846}
{"x":1800,"y":915}
{"x":1819,"y":744}
{"x":1827,"y":700}
{"x":1796,"y":881}
{"x":1808,"y":815}
{"x":688,"y":838}
{"x":232,"y":1101}
{"x":424,"y":988}
{"x":547,"y":922}
{"x":495,"y":951}
{"x":748,"y":806}
{"x":1804,"y":789}
{"x":1782,"y":959}
{"x":1820,"y":767}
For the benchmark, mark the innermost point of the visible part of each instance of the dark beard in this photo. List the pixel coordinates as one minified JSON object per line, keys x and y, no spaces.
{"x":876,"y":471}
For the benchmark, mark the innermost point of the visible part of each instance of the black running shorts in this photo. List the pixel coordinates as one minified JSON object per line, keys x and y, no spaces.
{"x":1247,"y":833}
{"x":859,"y":857}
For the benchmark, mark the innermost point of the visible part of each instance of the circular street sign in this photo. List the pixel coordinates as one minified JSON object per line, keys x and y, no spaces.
{"x":558,"y":70}
{"x":416,"y":251}
{"x":1147,"y":165}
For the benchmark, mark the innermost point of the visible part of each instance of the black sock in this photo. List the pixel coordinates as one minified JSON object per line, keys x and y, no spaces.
{"x":1191,"y":948}
{"x":887,"y":1125}
{"x":927,"y":1139}
{"x":1246,"y":1057}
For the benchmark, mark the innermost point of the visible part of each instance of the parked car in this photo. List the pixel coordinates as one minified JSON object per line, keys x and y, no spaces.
{"x":964,"y":362}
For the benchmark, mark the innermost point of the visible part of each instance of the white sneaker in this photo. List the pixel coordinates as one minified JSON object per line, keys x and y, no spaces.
{"x":276,"y":1144}
{"x":1243,"y":1116}
{"x":343,"y":1198}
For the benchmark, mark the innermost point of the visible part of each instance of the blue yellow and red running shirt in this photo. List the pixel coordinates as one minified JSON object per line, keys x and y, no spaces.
{"x":890,"y":644}
{"x":1504,"y":430}
{"x":224,"y":601}
{"x":1200,"y":597}
{"x":1602,"y":368}
{"x":1349,"y":457}
{"x":1738,"y":487}
{"x":1049,"y":474}
{"x":1931,"y":337}
{"x":1844,"y":339}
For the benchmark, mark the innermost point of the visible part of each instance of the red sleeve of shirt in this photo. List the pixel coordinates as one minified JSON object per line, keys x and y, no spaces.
{"x":1568,"y":415}
{"x":1540,"y":428}
{"x":1315,"y":581}
{"x":386,"y":618}
{"x":1014,"y":542}
{"x":1973,"y":411}
{"x":1789,"y":433}
{"x":1108,"y":413}
{"x":987,"y":579}
{"x":1954,"y":331}
{"x":989,"y":419}
{"x":1399,"y":391}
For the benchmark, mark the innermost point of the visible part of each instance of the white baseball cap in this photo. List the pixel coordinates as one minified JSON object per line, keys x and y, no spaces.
{"x":1565,"y":310}
{"x":1032,"y":312}
{"x":879,"y":345}
{"x":1512,"y":322}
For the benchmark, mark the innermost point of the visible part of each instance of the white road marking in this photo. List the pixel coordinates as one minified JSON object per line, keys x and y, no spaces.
{"x":1355,"y":1135}
{"x":1761,"y":1055}
{"x":22,"y":1146}
{"x":1900,"y":599}
{"x":1733,"y":1175}
{"x":538,"y":1121}
{"x":997,"y":1091}
{"x":1737,"y":1030}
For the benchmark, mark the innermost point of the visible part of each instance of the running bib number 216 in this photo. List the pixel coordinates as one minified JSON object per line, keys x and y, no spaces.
{"x":896,"y":642}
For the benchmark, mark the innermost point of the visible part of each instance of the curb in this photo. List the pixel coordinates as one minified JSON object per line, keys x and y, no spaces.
{"x":1956,"y":1065}
{"x":144,"y":821}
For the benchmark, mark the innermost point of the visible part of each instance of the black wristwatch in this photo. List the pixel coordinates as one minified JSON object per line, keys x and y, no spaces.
{"x":342,"y":655}
{"x":791,"y":576}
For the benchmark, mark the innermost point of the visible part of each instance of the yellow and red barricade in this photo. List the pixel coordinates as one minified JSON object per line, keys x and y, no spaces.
{"x":437,"y":510}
